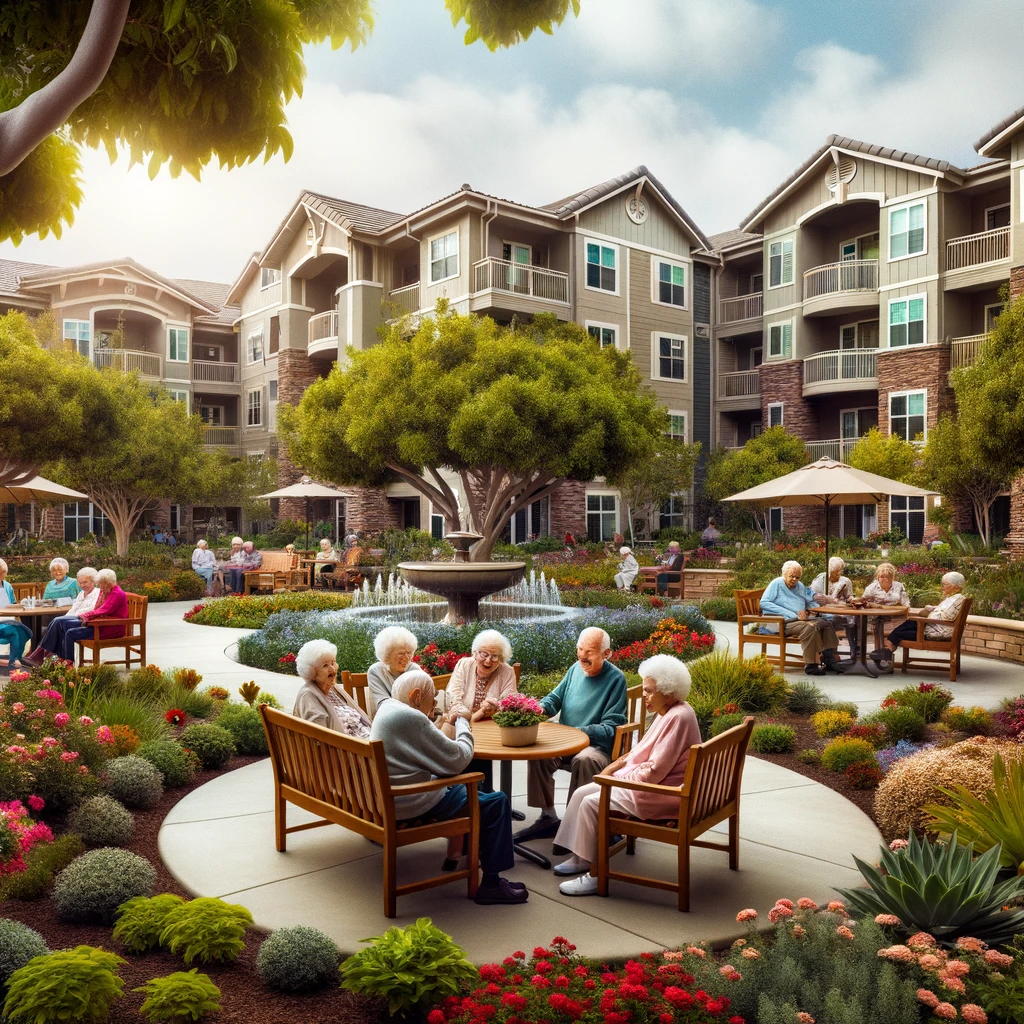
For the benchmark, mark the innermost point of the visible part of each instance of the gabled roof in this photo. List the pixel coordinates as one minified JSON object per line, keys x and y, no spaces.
{"x":733,"y":239}
{"x":941,"y":168}
{"x":12,"y":270}
{"x":990,"y":142}
{"x":362,"y":218}
{"x":213,"y":292}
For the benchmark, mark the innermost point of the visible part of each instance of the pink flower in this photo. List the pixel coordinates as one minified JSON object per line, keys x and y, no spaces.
{"x":746,"y":915}
{"x":843,"y":932}
{"x":929,"y":962}
{"x":49,"y":694}
{"x":37,"y":803}
{"x":929,"y":998}
{"x":85,"y":720}
{"x":952,"y":983}
{"x":104,"y":735}
{"x":70,"y":755}
{"x":971,"y":945}
{"x":726,"y":969}
{"x":697,"y":951}
{"x":958,"y":968}
{"x":778,"y":913}
{"x":806,"y":904}
{"x":788,"y":904}
{"x":61,"y":719}
{"x":922,"y":940}
{"x":49,"y":741}
{"x":973,"y":1014}
{"x":947,"y":1011}
{"x":888,"y":920}
{"x":798,"y":931}
{"x":17,"y":707}
{"x":750,"y":954}
{"x":996,"y":959}
{"x":898,"y":844}
{"x":672,"y":954}
{"x":19,"y":677}
{"x":898,"y":953}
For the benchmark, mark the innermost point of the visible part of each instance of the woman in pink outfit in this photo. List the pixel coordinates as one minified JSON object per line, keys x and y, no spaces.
{"x":660,"y":757}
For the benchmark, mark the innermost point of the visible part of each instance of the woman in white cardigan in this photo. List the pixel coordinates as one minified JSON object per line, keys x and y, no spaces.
{"x":320,"y":700}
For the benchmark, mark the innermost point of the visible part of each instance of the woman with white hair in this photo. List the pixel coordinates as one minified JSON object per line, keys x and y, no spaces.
{"x":204,"y":563}
{"x":659,"y":758}
{"x":838,"y":590}
{"x":62,"y":585}
{"x":885,"y":589}
{"x":628,"y":569}
{"x":394,"y":647}
{"x":12,"y":632}
{"x":943,"y":612}
{"x":320,"y":699}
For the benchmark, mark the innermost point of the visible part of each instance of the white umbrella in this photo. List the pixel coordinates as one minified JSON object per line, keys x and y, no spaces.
{"x":38,"y":489}
{"x":307,"y":489}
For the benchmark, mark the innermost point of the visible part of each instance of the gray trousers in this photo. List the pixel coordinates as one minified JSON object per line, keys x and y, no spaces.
{"x":815,"y":635}
{"x":540,"y":778}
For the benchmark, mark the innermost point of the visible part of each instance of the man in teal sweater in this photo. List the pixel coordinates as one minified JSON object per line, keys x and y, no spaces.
{"x":591,"y":697}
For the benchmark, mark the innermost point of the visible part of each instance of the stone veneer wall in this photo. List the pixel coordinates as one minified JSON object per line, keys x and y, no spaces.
{"x":994,"y":638}
{"x":1015,"y":538}
{"x":295,"y":372}
{"x":569,"y":509}
{"x":915,"y":369}
{"x":51,"y":522}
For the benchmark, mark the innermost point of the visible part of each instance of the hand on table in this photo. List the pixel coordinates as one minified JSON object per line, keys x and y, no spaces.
{"x":802,"y":614}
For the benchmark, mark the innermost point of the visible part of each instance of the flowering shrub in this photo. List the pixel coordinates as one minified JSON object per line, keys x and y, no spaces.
{"x":888,"y":756}
{"x":437,"y":663}
{"x":975,"y":721}
{"x":1010,"y":717}
{"x":831,"y":723}
{"x":927,"y":699}
{"x":252,"y":612}
{"x":669,"y":637}
{"x":705,"y":558}
{"x":863,"y":775}
{"x":175,"y":716}
{"x":18,"y":834}
{"x":874,"y":734}
{"x":554,"y":984}
{"x":518,"y":710}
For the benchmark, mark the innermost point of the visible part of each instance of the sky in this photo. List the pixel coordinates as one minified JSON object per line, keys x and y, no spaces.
{"x":721,"y":99}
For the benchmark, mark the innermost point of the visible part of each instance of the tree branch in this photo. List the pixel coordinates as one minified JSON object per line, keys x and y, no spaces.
{"x":25,"y":126}
{"x":433,"y":493}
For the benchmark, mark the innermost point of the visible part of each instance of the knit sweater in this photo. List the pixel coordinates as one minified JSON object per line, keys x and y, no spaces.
{"x":593,"y":704}
{"x":778,"y":599}
{"x":417,"y":752}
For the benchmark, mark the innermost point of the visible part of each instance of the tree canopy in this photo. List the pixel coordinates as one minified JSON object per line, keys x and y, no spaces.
{"x":176,"y":82}
{"x":886,"y":455}
{"x":512,"y":412}
{"x":226,"y":481}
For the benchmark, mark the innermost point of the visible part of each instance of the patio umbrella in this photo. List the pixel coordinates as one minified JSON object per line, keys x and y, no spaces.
{"x":827,"y":483}
{"x":307,"y":489}
{"x":38,"y":488}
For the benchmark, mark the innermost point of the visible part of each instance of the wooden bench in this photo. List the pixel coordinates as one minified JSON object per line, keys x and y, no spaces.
{"x":345,"y":781}
{"x":950,"y":647}
{"x":710,"y":793}
{"x":27,"y":590}
{"x":263,"y":578}
{"x":748,"y":612}
{"x":133,"y":640}
{"x":647,"y":582}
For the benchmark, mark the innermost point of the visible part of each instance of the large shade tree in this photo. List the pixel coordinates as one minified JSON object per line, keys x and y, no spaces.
{"x":176,"y":82}
{"x":512,"y":412}
{"x":227,"y":481}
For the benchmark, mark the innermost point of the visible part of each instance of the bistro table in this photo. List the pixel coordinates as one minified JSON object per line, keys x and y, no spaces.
{"x":553,"y":740}
{"x":885,"y":611}
{"x":35,"y":618}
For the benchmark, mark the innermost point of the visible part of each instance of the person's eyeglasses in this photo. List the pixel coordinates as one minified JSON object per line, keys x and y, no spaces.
{"x":488,"y":656}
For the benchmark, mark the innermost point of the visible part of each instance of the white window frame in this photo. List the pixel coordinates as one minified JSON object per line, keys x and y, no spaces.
{"x":272,"y":399}
{"x":77,"y":339}
{"x":656,"y":264}
{"x":924,"y":321}
{"x":601,"y":244}
{"x":999,"y":206}
{"x":908,"y":511}
{"x":171,"y":329}
{"x":431,"y":261}
{"x":251,"y":407}
{"x":250,"y":358}
{"x":781,"y":243}
{"x":781,"y":406}
{"x":178,"y":395}
{"x":601,"y":327}
{"x":1001,"y":306}
{"x":782,"y":325}
{"x":924,"y":415}
{"x":216,"y":409}
{"x":684,"y":498}
{"x":682,"y":414}
{"x":750,"y":356}
{"x":602,"y":494}
{"x":269,"y":276}
{"x":892,"y":210}
{"x":656,"y":337}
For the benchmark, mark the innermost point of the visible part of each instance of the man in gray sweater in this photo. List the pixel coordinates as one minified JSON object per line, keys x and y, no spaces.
{"x":417,"y":752}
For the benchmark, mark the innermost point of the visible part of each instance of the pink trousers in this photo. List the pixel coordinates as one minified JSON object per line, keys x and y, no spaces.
{"x":578,"y":831}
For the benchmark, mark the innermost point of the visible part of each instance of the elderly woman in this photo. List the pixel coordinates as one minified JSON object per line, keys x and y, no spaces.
{"x":320,"y":699}
{"x":628,"y":569}
{"x":62,"y":585}
{"x":204,"y":563}
{"x":234,"y":561}
{"x":838,"y":590}
{"x":326,"y":559}
{"x":788,"y":597}
{"x":85,"y":602}
{"x":394,"y":647}
{"x":12,"y":632}
{"x":943,"y":612}
{"x":659,"y":758}
{"x":885,"y":589}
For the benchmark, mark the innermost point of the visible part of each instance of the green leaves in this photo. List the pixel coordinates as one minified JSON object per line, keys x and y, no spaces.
{"x":206,"y":929}
{"x":502,"y":23}
{"x":183,"y":994}
{"x":173,"y":10}
{"x":886,"y":455}
{"x":74,"y":984}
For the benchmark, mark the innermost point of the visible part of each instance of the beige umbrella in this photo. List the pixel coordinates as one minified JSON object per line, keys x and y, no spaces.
{"x":38,"y":489}
{"x":827,"y":483}
{"x":307,"y":489}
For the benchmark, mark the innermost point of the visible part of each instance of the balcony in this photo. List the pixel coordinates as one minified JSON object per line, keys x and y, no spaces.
{"x":975,"y":261}
{"x":741,"y":311}
{"x":323,"y":333}
{"x":740,"y":390}
{"x":837,"y":288}
{"x":963,"y":351}
{"x":206,"y":372}
{"x":848,"y":369}
{"x":519,"y":288}
{"x":838,"y":450}
{"x":402,"y":301}
{"x":127,"y":360}
{"x":221,"y":437}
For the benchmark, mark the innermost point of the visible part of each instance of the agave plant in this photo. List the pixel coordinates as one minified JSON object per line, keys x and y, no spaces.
{"x":942,"y":889}
{"x":997,"y":817}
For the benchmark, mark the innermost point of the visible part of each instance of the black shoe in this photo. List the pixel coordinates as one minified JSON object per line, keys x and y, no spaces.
{"x":813,"y":670}
{"x":880,"y":654}
{"x":451,"y":864}
{"x":835,"y":666}
{"x":517,"y":815}
{"x":542,"y":828}
{"x":504,"y":892}
{"x":559,"y":851}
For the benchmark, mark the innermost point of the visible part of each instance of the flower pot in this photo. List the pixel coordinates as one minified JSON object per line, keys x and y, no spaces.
{"x":518,"y":735}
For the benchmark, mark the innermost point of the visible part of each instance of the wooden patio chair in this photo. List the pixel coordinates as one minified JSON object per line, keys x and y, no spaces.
{"x":710,"y":793}
{"x":636,"y":722}
{"x":133,"y":639}
{"x":345,"y":781}
{"x":27,"y":590}
{"x":950,"y":647}
{"x":748,"y":612}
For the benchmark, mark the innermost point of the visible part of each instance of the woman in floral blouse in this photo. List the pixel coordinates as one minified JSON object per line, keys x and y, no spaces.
{"x":320,"y":700}
{"x":885,"y":589}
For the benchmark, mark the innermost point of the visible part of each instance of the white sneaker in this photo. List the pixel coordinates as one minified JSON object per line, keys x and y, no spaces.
{"x":572,"y":866}
{"x":585,"y":885}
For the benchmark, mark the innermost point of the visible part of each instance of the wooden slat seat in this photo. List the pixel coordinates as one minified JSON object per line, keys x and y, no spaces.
{"x":263,"y":577}
{"x":132,"y":639}
{"x":748,"y":613}
{"x":345,"y":782}
{"x":949,"y":647}
{"x":710,"y":793}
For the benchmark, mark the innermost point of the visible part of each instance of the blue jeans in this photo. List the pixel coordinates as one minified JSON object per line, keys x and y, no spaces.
{"x":207,"y":575}
{"x":496,"y":853}
{"x":665,"y":578}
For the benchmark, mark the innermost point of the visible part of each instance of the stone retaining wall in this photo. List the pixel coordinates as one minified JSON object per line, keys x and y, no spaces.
{"x":994,"y":638}
{"x":702,"y":583}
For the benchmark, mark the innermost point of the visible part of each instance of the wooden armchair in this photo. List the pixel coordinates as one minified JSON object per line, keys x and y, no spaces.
{"x":950,"y":647}
{"x":647,"y":582}
{"x":710,"y":793}
{"x":27,"y":590}
{"x":133,"y":639}
{"x":345,"y":781}
{"x":748,"y":613}
{"x":636,"y":722}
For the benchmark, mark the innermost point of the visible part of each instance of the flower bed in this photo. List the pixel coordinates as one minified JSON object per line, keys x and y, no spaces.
{"x":253,"y":611}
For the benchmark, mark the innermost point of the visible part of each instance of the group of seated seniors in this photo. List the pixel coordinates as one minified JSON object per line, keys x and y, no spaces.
{"x":788,"y":597}
{"x":838,"y":590}
{"x":243,"y":558}
{"x":394,"y":647}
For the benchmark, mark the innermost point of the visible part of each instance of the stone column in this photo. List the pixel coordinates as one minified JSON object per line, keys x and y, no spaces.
{"x":569,"y":509}
{"x":50,"y":522}
{"x":295,"y":372}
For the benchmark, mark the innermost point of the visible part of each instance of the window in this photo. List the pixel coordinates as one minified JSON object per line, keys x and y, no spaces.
{"x":670,"y":283}
{"x":176,"y":517}
{"x":775,"y":520}
{"x":997,"y":217}
{"x":756,"y":356}
{"x":177,"y":344}
{"x":436,"y":525}
{"x":602,"y":261}
{"x":254,"y":347}
{"x":906,"y":231}
{"x":179,"y":396}
{"x":775,"y":414}
{"x":269,"y":276}
{"x":444,"y":257}
{"x":255,"y":408}
{"x":675,"y":513}
{"x":76,"y":334}
{"x":530,"y":523}
{"x":212,"y":415}
{"x":602,"y":517}
{"x":907,"y":414}
{"x":603,"y":334}
{"x":780,"y":263}
{"x":671,"y":357}
{"x":780,"y":340}
{"x":756,"y":283}
{"x":677,"y":426}
{"x":82,"y":518}
{"x":906,"y":322}
{"x":991,"y":312}
{"x":907,"y":516}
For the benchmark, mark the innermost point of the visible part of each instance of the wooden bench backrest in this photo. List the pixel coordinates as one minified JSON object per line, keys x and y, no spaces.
{"x":960,"y":622}
{"x":138,"y":608}
{"x":748,"y":602}
{"x":27,"y":590}
{"x":274,"y":561}
{"x":344,"y":774}
{"x":713,"y":775}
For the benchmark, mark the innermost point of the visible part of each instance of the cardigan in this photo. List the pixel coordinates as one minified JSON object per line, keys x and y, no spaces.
{"x":461,"y":687}
{"x":379,"y":681}
{"x":779,"y":599}
{"x":114,"y":607}
{"x":84,"y":602}
{"x":313,"y":705}
{"x":68,"y":587}
{"x":593,"y":704}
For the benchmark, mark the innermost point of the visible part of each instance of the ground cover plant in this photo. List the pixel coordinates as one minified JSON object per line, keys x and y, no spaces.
{"x":253,"y":611}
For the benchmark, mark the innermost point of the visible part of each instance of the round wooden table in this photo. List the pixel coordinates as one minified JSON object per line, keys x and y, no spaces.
{"x":888,"y":611}
{"x":34,"y":618}
{"x":553,"y":740}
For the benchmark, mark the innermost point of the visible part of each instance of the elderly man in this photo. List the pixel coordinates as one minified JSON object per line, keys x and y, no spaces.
{"x":591,"y":697}
{"x":788,"y":597}
{"x":417,"y":752}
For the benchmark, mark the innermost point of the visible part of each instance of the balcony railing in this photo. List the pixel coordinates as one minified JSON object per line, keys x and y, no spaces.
{"x":848,"y":364}
{"x":323,"y":326}
{"x":521,"y":279}
{"x":269,"y":296}
{"x":404,"y":300}
{"x":741,"y":307}
{"x":737,"y":385}
{"x":847,"y":276}
{"x":963,"y":351}
{"x":227,"y":436}
{"x":838,"y":449}
{"x":973,"y":250}
{"x":146,"y":364}
{"x":216,"y":373}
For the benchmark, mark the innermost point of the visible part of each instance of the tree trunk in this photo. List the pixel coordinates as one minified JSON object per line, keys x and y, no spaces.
{"x":13,"y":473}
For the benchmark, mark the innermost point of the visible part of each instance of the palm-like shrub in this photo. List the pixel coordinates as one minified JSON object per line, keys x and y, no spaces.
{"x":18,"y":945}
{"x":179,"y":995}
{"x":134,"y":781}
{"x":805,"y":698}
{"x":102,"y":821}
{"x":71,"y":985}
{"x":93,"y":886}
{"x":298,"y":959}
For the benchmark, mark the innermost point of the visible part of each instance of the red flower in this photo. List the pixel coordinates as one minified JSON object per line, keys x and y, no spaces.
{"x":175,"y":716}
{"x":288,"y":659}
{"x":435,"y":1017}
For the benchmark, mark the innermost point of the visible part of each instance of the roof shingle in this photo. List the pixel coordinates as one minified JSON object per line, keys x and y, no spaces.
{"x":998,"y":129}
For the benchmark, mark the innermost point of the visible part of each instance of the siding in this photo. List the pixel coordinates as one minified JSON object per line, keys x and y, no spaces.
{"x":458,"y":286}
{"x":661,"y":230}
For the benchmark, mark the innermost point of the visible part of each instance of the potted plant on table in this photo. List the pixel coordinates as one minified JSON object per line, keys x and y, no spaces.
{"x":517,"y":719}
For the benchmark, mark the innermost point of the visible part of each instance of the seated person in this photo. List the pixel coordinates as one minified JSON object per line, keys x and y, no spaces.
{"x":353,"y":555}
{"x":590,"y":697}
{"x":659,"y":758}
{"x":159,"y":537}
{"x":394,"y":647}
{"x":320,"y":699}
{"x":326,"y":558}
{"x":417,"y":752}
{"x":85,"y":602}
{"x":204,"y":563}
{"x":112,"y":603}
{"x":236,"y":560}
{"x":62,"y":585}
{"x":885,"y":589}
{"x":839,"y":591}
{"x":172,"y":539}
{"x":943,"y":612}
{"x":788,"y":597}
{"x":249,"y":559}
{"x":673,"y":560}
{"x":628,"y":568}
{"x":289,"y":550}
{"x":12,"y":632}
{"x":710,"y":537}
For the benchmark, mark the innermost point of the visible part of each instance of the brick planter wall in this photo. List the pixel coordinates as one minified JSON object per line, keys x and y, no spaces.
{"x":702,"y":583}
{"x":994,"y":638}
